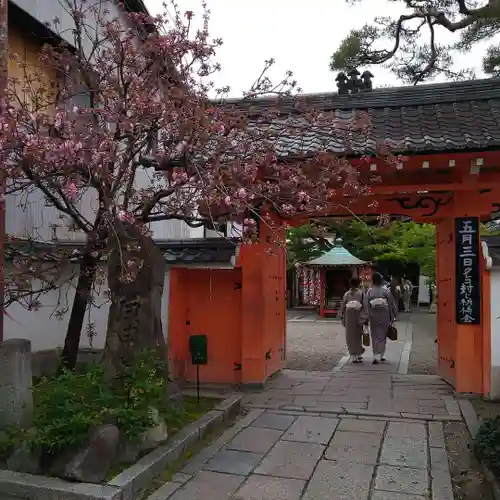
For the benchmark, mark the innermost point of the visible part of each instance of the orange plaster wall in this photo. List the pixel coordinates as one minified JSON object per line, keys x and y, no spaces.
{"x":206,"y":301}
{"x":274,"y":285}
{"x":446,"y":325}
{"x":263,"y":321}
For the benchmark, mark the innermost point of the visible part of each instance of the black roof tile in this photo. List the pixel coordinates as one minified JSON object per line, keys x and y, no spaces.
{"x":197,"y":251}
{"x":443,"y":117}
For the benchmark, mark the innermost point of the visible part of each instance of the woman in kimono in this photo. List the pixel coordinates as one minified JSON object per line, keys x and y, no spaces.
{"x":407,"y":291}
{"x":352,"y":320}
{"x":396,"y":291}
{"x":380,"y":311}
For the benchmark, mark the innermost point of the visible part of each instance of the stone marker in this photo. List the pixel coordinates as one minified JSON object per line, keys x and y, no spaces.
{"x":16,"y":399}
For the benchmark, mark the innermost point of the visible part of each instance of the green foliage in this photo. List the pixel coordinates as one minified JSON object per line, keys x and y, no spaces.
{"x":487,"y":444}
{"x":403,"y":242}
{"x":400,"y":242}
{"x":69,"y":405}
{"x":305,"y":243}
{"x":417,"y":51}
{"x":141,"y":387}
{"x":490,"y":229}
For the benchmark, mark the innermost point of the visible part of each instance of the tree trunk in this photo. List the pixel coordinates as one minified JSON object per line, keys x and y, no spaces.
{"x":86,"y":277}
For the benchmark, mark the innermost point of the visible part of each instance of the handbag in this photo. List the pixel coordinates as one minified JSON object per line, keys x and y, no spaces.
{"x":366,"y":337}
{"x":392,"y":333}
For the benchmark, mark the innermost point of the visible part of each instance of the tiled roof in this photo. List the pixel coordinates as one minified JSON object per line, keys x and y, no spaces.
{"x":442,"y":117}
{"x":213,"y":251}
{"x":336,"y":256}
{"x":198,"y":251}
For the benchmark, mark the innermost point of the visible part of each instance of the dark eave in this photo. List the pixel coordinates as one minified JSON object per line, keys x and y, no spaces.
{"x":136,"y":6}
{"x":209,"y":252}
{"x":39,"y":30}
{"x":19,"y":17}
{"x":200,"y":251}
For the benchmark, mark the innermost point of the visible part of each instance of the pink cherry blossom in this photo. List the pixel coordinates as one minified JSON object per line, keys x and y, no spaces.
{"x":71,"y":190}
{"x":153,"y":145}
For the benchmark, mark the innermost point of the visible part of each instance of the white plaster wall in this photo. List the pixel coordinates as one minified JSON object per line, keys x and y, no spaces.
{"x":423,"y":290}
{"x":46,"y":331}
{"x":495,"y":333}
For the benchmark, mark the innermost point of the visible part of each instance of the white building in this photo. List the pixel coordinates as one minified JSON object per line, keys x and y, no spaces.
{"x":28,"y":216}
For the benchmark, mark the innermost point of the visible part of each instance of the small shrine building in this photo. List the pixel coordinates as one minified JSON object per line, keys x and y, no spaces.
{"x":325,"y":279}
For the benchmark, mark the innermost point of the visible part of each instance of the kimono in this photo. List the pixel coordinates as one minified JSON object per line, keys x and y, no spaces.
{"x":380,"y":310}
{"x":396,"y":291}
{"x":352,"y":319}
{"x":407,"y":291}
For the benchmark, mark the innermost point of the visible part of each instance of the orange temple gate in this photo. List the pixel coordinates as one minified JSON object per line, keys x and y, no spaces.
{"x":451,"y":139}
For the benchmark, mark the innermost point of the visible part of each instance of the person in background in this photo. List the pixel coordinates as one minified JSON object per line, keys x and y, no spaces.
{"x":379,"y":310}
{"x":407,"y":292}
{"x":396,"y":291}
{"x":386,"y":282}
{"x":352,"y":320}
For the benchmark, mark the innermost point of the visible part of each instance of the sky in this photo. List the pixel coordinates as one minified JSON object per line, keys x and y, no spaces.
{"x":300,"y":35}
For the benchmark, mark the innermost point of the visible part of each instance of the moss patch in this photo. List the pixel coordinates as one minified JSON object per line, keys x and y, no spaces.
{"x":192,"y":412}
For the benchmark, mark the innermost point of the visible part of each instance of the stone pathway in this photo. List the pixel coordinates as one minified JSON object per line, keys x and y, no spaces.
{"x":360,"y":432}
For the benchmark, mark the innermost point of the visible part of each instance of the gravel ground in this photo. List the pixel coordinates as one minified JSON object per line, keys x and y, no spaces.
{"x":316,"y":345}
{"x":467,"y":478}
{"x":486,"y":410}
{"x":423,"y":355}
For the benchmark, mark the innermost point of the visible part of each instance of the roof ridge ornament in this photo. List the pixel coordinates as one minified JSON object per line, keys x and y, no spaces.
{"x":352,"y":83}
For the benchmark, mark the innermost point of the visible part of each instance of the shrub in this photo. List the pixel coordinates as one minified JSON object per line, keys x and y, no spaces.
{"x":487,"y":444}
{"x":69,"y":405}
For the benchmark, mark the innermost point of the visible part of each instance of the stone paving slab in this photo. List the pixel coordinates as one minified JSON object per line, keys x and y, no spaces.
{"x":234,"y":462}
{"x":291,"y":460}
{"x":270,"y":488}
{"x":354,"y":447}
{"x":355,"y":425}
{"x":340,"y":481}
{"x":307,"y":429}
{"x":208,"y":486}
{"x":402,"y":480}
{"x":405,"y":452}
{"x":274,"y":421}
{"x":255,"y":440}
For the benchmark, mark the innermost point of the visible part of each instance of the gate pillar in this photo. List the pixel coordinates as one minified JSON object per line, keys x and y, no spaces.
{"x":461,"y":347}
{"x":263,"y":314}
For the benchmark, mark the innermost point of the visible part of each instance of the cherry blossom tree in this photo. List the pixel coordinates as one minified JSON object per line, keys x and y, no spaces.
{"x":124,"y":120}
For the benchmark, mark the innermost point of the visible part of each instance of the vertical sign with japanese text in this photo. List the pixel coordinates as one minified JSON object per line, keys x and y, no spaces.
{"x":468,"y":277}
